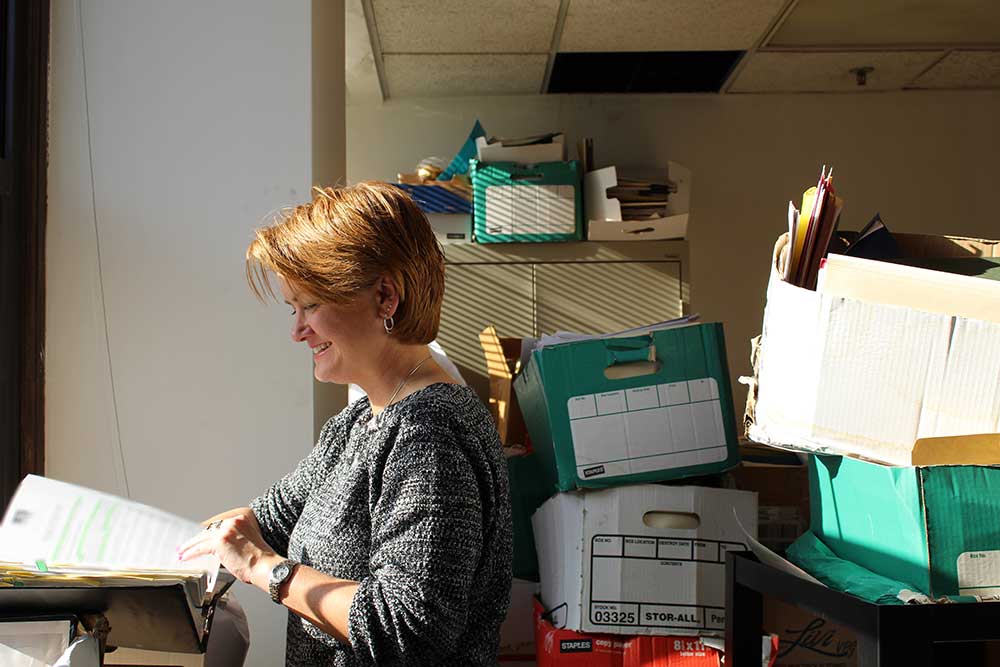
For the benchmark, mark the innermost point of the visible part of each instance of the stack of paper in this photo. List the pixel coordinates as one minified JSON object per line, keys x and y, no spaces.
{"x":65,"y":548}
{"x":810,"y":230}
{"x":560,"y":337}
{"x":641,"y":199}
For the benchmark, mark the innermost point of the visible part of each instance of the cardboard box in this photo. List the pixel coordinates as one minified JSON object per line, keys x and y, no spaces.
{"x":605,"y":221}
{"x":644,"y":559}
{"x":558,"y":647}
{"x":782,"y":500}
{"x":839,"y":375}
{"x":808,"y":640}
{"x":554,"y":151}
{"x":451,"y":227}
{"x":448,"y":207}
{"x":933,"y":527}
{"x":514,"y":203}
{"x":517,"y":633}
{"x":503,"y":362}
{"x":625,"y":410}
{"x":529,"y":486}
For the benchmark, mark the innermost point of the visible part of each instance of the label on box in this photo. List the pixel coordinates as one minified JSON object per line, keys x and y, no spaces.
{"x":653,"y":582}
{"x":979,"y":573}
{"x":530,"y":209}
{"x":656,"y":427}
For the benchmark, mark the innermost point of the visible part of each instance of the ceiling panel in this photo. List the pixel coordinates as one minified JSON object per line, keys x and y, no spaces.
{"x":773,"y":72}
{"x":447,"y":74}
{"x":666,"y":25}
{"x":882,"y":23}
{"x":471,"y":26}
{"x":963,"y":69}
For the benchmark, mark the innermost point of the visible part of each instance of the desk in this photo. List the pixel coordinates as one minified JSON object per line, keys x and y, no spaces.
{"x":887,"y":634}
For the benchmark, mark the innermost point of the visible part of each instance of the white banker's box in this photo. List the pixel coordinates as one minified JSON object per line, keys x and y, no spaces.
{"x":846,"y":376}
{"x":644,"y":559}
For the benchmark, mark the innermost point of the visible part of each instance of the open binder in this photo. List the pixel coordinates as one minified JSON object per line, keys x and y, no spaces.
{"x":68,"y":550}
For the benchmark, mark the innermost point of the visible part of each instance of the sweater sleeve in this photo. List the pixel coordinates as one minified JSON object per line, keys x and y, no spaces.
{"x":427,"y":536}
{"x":278,"y":509}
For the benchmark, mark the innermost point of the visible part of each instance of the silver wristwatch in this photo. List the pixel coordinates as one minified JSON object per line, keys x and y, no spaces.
{"x":279,"y":573}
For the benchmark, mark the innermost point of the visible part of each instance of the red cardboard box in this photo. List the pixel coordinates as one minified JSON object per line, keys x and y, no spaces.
{"x":556,"y":647}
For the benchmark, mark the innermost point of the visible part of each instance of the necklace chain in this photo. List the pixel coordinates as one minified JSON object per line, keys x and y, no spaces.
{"x":377,"y":419}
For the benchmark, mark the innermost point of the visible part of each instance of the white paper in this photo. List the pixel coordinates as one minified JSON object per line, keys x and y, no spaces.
{"x":32,"y":643}
{"x":62,"y":524}
{"x":571,"y":337}
{"x":768,"y":557}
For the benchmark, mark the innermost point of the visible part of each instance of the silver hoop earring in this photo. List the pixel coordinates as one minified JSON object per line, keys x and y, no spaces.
{"x":389,"y":324}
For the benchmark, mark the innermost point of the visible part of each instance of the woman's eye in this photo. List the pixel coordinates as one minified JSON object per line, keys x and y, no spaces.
{"x":311,"y":306}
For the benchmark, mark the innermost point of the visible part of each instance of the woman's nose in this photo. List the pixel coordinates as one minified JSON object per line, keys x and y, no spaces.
{"x":299,"y":330}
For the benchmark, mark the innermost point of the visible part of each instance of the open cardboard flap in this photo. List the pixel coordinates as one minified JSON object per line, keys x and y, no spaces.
{"x":981,"y":450}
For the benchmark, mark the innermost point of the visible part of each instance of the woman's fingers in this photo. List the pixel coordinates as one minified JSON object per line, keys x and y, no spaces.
{"x":193,"y":551}
{"x":203,"y":541}
{"x":225,"y":515}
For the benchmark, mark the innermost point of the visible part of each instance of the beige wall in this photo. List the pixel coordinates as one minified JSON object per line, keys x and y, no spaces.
{"x":176,"y":127}
{"x":329,"y":160}
{"x":925,"y":160}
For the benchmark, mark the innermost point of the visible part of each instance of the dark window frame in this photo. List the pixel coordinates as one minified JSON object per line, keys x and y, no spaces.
{"x":24,"y":41}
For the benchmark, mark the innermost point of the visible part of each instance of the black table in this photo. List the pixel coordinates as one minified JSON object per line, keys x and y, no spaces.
{"x":887,"y":634}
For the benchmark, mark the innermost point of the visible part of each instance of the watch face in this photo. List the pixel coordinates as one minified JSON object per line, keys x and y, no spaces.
{"x":281,"y":571}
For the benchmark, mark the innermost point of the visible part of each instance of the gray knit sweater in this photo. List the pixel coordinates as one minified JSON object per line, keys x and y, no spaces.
{"x":417,"y":511}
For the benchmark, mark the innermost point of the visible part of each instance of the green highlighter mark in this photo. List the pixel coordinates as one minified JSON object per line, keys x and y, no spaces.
{"x":40,"y":564}
{"x":106,"y":532}
{"x":85,"y":533}
{"x":65,"y":530}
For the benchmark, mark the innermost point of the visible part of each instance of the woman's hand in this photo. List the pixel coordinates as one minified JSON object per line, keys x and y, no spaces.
{"x":234,"y":538}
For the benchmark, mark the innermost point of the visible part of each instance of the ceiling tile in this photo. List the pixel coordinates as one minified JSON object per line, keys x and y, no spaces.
{"x":963,"y":69}
{"x":464,"y":26}
{"x":666,"y":25}
{"x":773,"y":72}
{"x":890,"y":23}
{"x":480,"y":74}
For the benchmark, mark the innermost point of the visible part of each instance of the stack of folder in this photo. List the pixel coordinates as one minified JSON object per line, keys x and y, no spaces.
{"x":67,"y":551}
{"x":811,"y":229}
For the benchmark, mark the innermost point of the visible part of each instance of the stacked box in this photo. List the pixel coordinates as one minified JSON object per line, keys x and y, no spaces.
{"x":646,"y":408}
{"x":895,"y":400}
{"x":641,"y":559}
{"x":517,"y":203}
{"x":604,"y":416}
{"x":559,"y":647}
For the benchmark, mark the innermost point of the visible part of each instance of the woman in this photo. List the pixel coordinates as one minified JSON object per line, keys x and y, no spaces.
{"x":396,"y":528}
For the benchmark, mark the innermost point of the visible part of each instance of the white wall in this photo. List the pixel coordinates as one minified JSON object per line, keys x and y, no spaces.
{"x":925,"y":160}
{"x":176,"y":127}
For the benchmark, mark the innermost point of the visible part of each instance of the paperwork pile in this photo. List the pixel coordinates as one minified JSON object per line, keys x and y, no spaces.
{"x":66,"y":549}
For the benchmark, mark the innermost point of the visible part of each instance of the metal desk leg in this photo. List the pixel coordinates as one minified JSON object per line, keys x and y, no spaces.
{"x":744,"y":619}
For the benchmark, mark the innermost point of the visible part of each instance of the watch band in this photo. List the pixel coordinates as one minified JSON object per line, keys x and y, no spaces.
{"x":279,"y":574}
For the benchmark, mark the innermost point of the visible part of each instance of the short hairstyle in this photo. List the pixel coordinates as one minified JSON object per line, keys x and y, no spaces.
{"x":343,"y":240}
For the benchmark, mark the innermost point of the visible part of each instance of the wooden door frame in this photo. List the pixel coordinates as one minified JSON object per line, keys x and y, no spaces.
{"x":23,"y":165}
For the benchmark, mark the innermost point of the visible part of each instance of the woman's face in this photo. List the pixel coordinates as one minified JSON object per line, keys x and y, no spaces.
{"x":343,"y":338}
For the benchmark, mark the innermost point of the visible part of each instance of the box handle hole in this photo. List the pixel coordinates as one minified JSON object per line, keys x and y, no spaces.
{"x":674,"y":520}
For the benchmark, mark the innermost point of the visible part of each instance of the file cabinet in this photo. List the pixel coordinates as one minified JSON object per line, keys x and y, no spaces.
{"x":531,"y":289}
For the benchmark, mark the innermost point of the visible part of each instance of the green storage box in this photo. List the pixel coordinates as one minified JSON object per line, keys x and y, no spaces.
{"x":515,"y":203}
{"x":933,"y":527}
{"x":611,"y":411}
{"x":528,"y":490}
